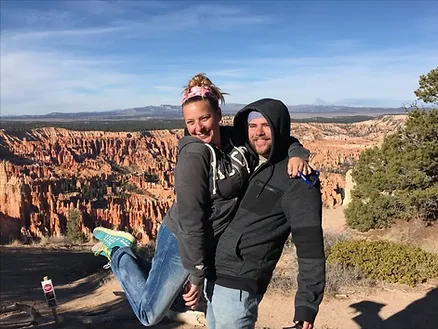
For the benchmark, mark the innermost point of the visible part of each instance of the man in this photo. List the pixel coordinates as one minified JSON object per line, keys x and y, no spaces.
{"x":273,"y":207}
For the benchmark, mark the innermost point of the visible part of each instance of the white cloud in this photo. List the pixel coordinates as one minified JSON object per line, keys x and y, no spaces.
{"x":45,"y":82}
{"x":37,"y":82}
{"x":57,"y":62}
{"x":39,"y":36}
{"x":387,"y":77}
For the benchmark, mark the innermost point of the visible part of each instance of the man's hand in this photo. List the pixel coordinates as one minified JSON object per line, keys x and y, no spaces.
{"x":307,"y":325}
{"x":192,"y":294}
{"x":301,"y":325}
{"x":296,"y":164}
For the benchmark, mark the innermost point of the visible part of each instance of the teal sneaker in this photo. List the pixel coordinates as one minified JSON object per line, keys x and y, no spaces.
{"x":111,"y":239}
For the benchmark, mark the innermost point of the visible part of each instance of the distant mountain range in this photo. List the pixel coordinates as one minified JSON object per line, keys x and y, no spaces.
{"x":167,"y":112}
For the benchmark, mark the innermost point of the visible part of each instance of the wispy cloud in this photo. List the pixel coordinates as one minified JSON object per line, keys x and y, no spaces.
{"x":38,"y":36}
{"x":115,"y":7}
{"x":52,"y":82}
{"x":384,"y":77}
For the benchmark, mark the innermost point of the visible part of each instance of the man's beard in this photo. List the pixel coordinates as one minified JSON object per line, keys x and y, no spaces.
{"x":263,"y":150}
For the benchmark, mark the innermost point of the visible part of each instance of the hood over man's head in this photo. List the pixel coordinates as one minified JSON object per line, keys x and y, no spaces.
{"x":277,"y":118}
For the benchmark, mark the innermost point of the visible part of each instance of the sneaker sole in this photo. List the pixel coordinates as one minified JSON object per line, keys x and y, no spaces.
{"x":97,"y":248}
{"x":189,"y":317}
{"x":120,"y":234}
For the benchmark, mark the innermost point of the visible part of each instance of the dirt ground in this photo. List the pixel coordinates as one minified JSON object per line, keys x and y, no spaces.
{"x":90,"y":297}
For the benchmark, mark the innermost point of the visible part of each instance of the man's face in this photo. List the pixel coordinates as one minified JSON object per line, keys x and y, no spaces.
{"x":259,"y":136}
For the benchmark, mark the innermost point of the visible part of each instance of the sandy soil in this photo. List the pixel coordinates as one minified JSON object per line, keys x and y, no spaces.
{"x":361,"y":308}
{"x":90,"y":297}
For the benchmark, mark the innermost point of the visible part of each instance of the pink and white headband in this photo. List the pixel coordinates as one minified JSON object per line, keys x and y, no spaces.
{"x":204,"y":91}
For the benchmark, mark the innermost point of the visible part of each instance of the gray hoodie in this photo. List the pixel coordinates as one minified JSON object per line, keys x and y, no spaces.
{"x":209,"y":183}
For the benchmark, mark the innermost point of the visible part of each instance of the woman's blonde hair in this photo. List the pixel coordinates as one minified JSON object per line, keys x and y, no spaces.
{"x":214,"y":96}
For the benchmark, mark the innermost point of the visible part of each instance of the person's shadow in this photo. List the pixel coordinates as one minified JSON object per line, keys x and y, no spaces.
{"x":421,"y":314}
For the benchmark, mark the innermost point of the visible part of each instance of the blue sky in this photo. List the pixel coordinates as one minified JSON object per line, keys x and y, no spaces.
{"x":71,"y":56}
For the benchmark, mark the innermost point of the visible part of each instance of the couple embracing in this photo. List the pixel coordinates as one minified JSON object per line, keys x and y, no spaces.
{"x":241,"y":190}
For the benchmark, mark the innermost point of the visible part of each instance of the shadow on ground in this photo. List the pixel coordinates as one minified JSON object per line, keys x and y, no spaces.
{"x":22,"y":270}
{"x":421,"y":314}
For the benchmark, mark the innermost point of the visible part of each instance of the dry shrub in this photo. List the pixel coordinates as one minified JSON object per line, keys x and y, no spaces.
{"x":43,"y":241}
{"x":15,"y":243}
{"x":52,"y":240}
{"x":332,"y":237}
{"x":340,"y":276}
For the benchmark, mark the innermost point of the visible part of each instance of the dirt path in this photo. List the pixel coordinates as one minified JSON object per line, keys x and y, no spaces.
{"x":361,"y":308}
{"x":333,"y":219}
{"x":84,"y":288}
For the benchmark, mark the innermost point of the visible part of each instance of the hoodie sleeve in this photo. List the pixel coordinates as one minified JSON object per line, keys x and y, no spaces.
{"x":296,"y":149}
{"x":303,"y":208}
{"x":193,"y":199}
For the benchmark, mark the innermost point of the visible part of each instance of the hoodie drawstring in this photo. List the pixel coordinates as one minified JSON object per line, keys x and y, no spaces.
{"x":213,"y":164}
{"x":239,"y":149}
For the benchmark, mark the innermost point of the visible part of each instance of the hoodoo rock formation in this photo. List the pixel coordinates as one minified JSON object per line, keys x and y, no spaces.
{"x":120,"y":180}
{"x":125,"y":180}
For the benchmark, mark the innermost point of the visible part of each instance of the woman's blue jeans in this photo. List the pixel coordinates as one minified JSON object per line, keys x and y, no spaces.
{"x":151,"y":288}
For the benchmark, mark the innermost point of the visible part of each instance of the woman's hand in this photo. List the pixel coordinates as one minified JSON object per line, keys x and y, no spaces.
{"x":192,"y":294}
{"x":295,"y":165}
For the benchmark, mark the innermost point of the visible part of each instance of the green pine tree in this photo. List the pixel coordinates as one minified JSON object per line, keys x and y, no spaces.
{"x":74,"y":232}
{"x":399,"y":180}
{"x":428,"y":87}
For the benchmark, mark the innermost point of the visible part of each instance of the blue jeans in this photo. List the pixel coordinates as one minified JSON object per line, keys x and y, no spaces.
{"x":151,"y":288}
{"x":229,"y":308}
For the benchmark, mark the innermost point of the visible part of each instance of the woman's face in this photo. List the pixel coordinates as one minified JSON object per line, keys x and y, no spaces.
{"x":202,"y":122}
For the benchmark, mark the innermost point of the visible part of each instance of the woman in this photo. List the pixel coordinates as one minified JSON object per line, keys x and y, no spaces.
{"x":211,"y":173}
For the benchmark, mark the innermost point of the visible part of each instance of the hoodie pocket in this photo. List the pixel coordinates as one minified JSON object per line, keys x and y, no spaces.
{"x":222,"y":214}
{"x":261,"y":198}
{"x":228,"y":251}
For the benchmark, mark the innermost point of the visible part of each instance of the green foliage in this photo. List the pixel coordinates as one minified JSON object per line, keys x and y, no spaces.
{"x":118,"y":168}
{"x":399,"y":179}
{"x":131,"y":188}
{"x":151,"y":177}
{"x":386,"y":261}
{"x":96,"y":190}
{"x":428,"y":87}
{"x":67,"y":186}
{"x":74,"y":233}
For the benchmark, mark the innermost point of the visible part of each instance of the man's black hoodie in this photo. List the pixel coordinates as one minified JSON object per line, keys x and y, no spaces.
{"x":274,"y":206}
